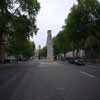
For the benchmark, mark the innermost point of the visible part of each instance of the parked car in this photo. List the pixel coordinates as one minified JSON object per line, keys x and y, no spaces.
{"x":71,"y":60}
{"x":10,"y":59}
{"x":78,"y":62}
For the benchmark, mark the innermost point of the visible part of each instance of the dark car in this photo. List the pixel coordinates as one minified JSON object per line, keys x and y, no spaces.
{"x":79,"y":62}
{"x":71,"y":60}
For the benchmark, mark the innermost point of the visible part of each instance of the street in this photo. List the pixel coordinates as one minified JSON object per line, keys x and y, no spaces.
{"x":42,"y":81}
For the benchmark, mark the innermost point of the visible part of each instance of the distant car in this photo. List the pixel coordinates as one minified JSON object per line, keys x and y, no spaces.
{"x":78,"y":62}
{"x":71,"y":61}
{"x":10,"y":59}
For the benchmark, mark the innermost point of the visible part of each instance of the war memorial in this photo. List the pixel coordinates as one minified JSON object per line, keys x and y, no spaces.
{"x":50,"y":55}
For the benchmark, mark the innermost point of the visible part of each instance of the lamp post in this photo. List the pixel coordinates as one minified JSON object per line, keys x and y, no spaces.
{"x":39,"y":51}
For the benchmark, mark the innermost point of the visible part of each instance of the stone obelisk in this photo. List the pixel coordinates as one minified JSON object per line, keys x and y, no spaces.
{"x":50,"y":56}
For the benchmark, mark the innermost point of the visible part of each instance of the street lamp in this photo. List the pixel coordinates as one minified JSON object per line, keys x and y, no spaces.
{"x":39,"y":50}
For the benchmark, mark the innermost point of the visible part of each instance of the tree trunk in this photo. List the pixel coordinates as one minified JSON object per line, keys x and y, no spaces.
{"x":3,"y":45}
{"x":2,"y":54}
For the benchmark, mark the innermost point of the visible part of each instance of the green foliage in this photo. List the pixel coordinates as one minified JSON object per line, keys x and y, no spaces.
{"x":28,"y":49}
{"x":82,"y":27}
{"x":21,"y":47}
{"x":91,"y":42}
{"x":82,"y":21}
{"x":43,"y":52}
{"x":60,"y":43}
{"x":17,"y":21}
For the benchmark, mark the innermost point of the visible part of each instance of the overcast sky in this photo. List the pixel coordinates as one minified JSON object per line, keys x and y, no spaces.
{"x":51,"y":17}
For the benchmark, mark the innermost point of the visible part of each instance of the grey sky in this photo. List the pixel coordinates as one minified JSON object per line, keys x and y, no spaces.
{"x":51,"y":16}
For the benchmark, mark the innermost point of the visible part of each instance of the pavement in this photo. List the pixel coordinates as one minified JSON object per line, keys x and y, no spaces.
{"x":38,"y":80}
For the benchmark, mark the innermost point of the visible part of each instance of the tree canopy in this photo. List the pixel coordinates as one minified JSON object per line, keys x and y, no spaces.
{"x":82,"y":27}
{"x":18,"y":21}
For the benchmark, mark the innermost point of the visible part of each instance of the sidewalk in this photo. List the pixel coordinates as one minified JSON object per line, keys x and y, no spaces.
{"x":5,"y":65}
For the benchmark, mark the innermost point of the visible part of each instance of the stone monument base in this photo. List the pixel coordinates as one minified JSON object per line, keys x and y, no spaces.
{"x":53,"y":62}
{"x":50,"y":60}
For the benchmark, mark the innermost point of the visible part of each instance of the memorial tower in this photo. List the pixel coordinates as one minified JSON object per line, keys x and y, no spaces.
{"x":50,"y":55}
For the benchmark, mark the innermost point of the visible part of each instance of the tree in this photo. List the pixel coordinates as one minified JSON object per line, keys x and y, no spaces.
{"x":43,"y":52}
{"x":81,"y":25}
{"x":5,"y":17}
{"x":17,"y":21}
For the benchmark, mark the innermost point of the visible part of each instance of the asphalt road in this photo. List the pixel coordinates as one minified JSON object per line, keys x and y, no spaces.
{"x":42,"y":81}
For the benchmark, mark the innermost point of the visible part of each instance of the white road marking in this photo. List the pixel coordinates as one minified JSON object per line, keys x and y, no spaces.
{"x":43,"y":63}
{"x":87,"y":74}
{"x":46,"y":63}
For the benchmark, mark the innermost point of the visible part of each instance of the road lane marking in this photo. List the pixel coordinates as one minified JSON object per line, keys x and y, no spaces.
{"x":43,"y":63}
{"x":47,"y":63}
{"x":87,"y":74}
